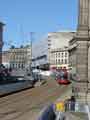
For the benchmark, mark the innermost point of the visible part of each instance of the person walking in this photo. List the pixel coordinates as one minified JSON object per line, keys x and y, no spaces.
{"x":60,"y":109}
{"x":73,"y":101}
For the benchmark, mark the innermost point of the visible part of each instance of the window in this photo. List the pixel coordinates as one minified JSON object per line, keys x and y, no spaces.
{"x":49,"y":44}
{"x":19,"y":65}
{"x":58,"y":54}
{"x":58,"y":61}
{"x":62,"y":61}
{"x":49,"y":40}
{"x":13,"y":65}
{"x":65,"y":54}
{"x":62,"y":54}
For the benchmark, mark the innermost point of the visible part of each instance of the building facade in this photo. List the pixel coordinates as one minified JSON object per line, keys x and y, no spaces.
{"x":80,"y":52}
{"x":17,"y":58}
{"x":54,"y":42}
{"x":59,"y":58}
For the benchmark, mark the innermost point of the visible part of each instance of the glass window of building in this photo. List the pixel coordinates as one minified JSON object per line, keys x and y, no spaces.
{"x":59,"y":54}
{"x":58,"y":61}
{"x":49,"y":44}
{"x":62,"y":61}
{"x":62,"y":54}
{"x":49,"y":40}
{"x":13,"y":65}
{"x":65,"y":54}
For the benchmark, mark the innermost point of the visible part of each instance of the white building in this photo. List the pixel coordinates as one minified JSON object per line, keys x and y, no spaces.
{"x":59,"y":58}
{"x":42,"y":49}
{"x":17,"y":58}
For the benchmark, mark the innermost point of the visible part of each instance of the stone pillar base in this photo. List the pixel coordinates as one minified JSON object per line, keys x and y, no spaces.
{"x":88,"y":97}
{"x":83,"y":97}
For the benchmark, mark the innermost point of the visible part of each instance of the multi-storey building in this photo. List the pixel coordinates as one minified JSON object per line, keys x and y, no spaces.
{"x":59,"y":57}
{"x":17,"y":57}
{"x":42,"y":51}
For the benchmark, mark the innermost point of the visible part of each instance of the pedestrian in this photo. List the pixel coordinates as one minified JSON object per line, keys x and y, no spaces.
{"x":60,"y":109}
{"x":72,"y":103}
{"x":67,"y":104}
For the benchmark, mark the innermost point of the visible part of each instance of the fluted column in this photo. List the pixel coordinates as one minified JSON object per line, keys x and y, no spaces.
{"x":81,"y":51}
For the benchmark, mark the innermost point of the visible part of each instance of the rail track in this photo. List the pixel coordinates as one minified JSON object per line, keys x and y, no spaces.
{"x":26,"y":105}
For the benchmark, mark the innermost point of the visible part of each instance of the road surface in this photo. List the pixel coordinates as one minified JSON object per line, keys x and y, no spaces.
{"x":26,"y":105}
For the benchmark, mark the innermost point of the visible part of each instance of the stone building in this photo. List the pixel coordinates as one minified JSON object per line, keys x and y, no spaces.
{"x":17,"y":58}
{"x":80,"y":51}
{"x":53,"y":41}
{"x":59,"y":58}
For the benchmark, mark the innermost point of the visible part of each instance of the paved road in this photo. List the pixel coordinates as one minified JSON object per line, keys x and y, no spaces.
{"x":76,"y":116}
{"x":26,"y":105}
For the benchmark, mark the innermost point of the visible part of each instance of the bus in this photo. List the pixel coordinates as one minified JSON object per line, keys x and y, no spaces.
{"x":62,"y":77}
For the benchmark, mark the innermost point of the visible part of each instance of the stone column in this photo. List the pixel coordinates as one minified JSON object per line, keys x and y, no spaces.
{"x":89,"y":17}
{"x":83,"y":18}
{"x":82,"y":38}
{"x":81,"y":51}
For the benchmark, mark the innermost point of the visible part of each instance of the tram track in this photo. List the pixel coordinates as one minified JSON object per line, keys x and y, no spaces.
{"x":17,"y":106}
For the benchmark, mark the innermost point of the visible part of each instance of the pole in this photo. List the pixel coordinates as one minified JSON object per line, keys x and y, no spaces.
{"x":87,"y":77}
{"x":31,"y":39}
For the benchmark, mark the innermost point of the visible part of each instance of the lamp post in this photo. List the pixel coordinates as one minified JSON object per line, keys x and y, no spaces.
{"x":31,"y":39}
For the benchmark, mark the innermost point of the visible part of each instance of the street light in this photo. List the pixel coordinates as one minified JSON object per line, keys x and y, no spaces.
{"x":31,"y":39}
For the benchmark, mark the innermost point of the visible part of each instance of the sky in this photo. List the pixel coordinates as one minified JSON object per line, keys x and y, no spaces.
{"x":39,"y":16}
